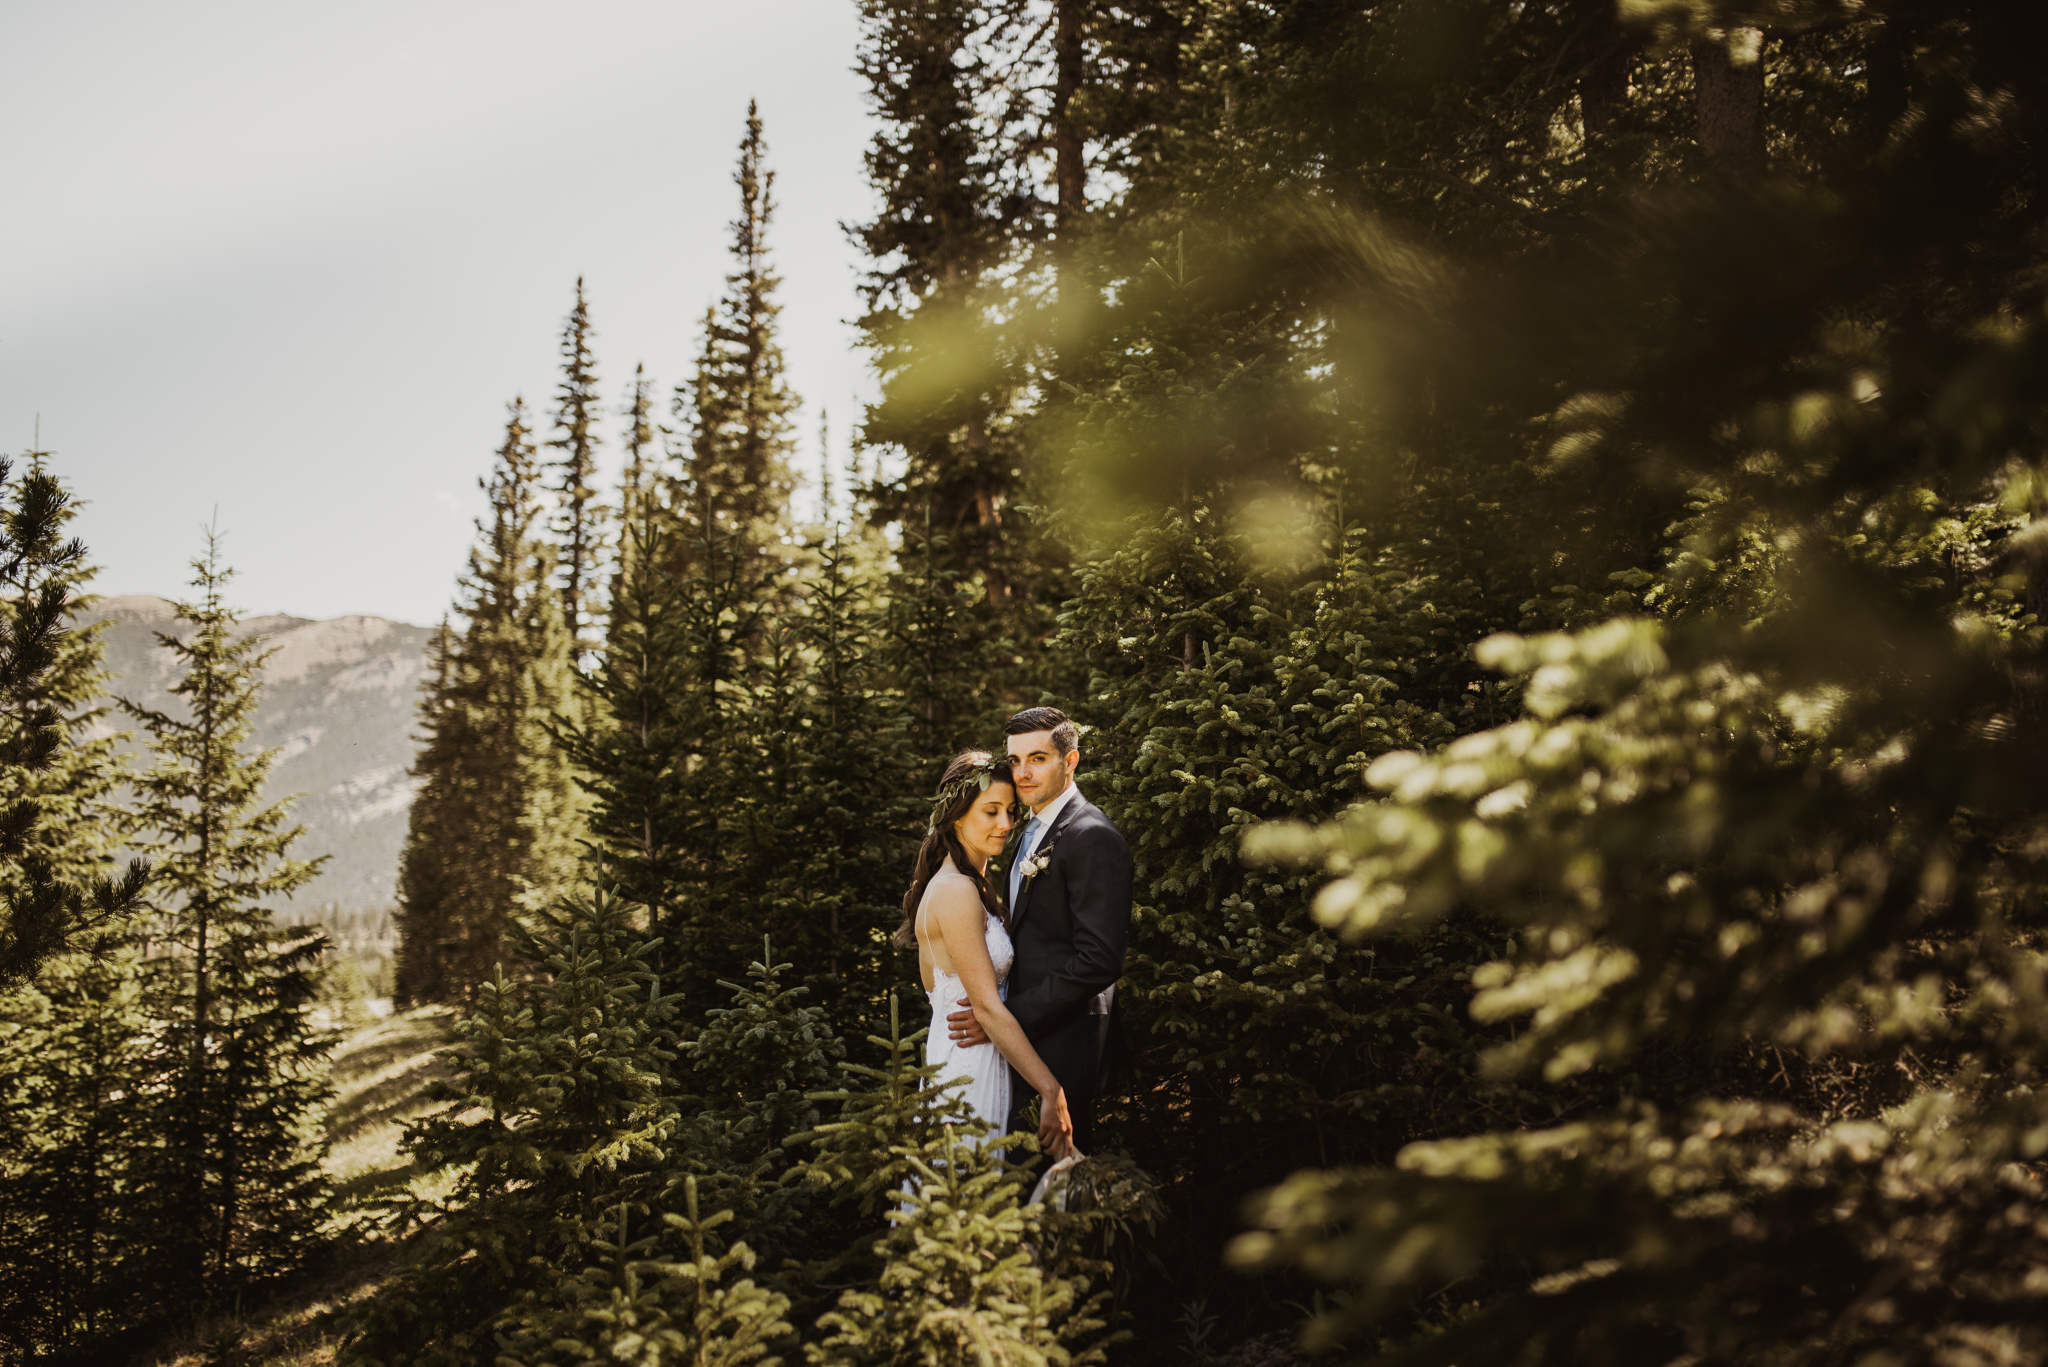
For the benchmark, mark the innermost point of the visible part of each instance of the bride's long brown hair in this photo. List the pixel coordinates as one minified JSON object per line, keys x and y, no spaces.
{"x":960,"y":787}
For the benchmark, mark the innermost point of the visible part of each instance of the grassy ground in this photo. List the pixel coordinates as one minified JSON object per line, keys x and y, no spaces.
{"x":381,"y":1075}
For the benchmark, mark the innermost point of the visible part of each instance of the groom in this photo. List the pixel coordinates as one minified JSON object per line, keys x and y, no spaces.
{"x":1067,"y":875}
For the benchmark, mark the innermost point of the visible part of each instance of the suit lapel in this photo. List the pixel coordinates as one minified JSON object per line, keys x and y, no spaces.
{"x":1044,"y":843}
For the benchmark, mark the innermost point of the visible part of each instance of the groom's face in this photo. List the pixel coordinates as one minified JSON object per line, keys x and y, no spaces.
{"x":1041,"y":771}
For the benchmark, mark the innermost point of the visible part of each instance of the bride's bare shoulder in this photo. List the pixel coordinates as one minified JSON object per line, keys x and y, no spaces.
{"x":951,"y":890}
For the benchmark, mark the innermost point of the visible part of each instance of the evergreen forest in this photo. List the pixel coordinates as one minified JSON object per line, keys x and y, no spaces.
{"x":1540,"y":511}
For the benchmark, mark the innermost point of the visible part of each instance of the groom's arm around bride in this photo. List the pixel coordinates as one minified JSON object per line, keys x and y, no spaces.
{"x":1068,"y":879}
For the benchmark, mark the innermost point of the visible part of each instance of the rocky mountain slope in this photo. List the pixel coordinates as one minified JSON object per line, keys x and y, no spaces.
{"x":339,"y":700}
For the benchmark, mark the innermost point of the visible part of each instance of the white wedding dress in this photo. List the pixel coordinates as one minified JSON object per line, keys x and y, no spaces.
{"x":987,"y":1093}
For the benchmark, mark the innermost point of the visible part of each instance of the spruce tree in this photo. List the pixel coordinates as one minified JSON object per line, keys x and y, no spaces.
{"x":76,"y":1069}
{"x":638,"y":1306}
{"x":640,"y":479}
{"x":740,"y":410}
{"x":230,"y":1183}
{"x":753,"y":1064}
{"x":579,"y":519}
{"x":73,"y":1033}
{"x":493,"y":829}
{"x":852,"y":823}
{"x":862,"y":1155}
{"x":561,"y":1110}
{"x":945,"y":320}
{"x":57,"y":824}
{"x":942,"y":657}
{"x":683,"y":750}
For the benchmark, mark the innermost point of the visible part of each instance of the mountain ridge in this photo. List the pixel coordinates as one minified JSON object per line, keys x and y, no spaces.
{"x":340,"y":697}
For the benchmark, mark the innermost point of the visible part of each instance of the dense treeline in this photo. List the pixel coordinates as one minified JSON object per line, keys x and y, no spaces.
{"x":1246,"y":372}
{"x":1537,"y":508}
{"x":161,"y":1076}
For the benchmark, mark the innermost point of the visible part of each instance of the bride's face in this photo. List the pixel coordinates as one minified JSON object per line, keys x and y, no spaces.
{"x":987,"y":823}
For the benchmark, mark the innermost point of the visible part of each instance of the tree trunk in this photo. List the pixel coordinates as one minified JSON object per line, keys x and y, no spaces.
{"x":1603,"y":85}
{"x":1069,"y":169}
{"x":1730,"y":99}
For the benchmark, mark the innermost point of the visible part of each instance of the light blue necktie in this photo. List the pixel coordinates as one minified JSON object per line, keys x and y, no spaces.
{"x":1017,"y":868}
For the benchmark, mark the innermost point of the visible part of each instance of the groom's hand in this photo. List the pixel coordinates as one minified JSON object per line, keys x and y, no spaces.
{"x":965,"y":1027}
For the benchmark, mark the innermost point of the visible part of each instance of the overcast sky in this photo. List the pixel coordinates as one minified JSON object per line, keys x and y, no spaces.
{"x":289,"y":261}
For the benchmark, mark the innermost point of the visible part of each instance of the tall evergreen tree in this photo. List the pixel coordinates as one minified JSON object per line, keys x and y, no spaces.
{"x":231,"y":1183}
{"x":76,"y":1072}
{"x":738,"y":409}
{"x":579,"y":519}
{"x":561,"y":1110}
{"x":56,"y":779}
{"x":674,"y":761}
{"x":640,"y":480}
{"x":493,"y":830}
{"x":73,"y":1033}
{"x":858,"y":795}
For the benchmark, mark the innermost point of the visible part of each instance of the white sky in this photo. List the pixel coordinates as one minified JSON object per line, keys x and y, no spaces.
{"x":289,"y":261}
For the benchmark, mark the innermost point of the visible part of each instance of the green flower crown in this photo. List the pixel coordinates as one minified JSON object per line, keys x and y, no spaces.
{"x":978,"y":776}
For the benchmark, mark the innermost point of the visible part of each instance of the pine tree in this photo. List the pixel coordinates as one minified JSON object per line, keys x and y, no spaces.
{"x":942,"y":319}
{"x":494,"y":827}
{"x":56,"y":780}
{"x":75,"y":1070}
{"x":638,"y":1307}
{"x":754,"y":1063}
{"x":561,"y":1110}
{"x":721,"y":542}
{"x":631,"y":752}
{"x":579,"y":520}
{"x":940,"y":650}
{"x":852,"y":822}
{"x":739,"y":410}
{"x":73,"y":1034}
{"x":862,"y":1156}
{"x":639,"y":481}
{"x":230,"y":1184}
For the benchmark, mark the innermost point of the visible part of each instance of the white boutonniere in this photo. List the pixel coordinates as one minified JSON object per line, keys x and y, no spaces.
{"x":1035,"y":865}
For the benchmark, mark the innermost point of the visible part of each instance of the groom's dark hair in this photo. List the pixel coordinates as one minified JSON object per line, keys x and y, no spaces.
{"x":1065,"y":735}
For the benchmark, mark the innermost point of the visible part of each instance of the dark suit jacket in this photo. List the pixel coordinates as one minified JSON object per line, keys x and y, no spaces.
{"x":1069,"y":928}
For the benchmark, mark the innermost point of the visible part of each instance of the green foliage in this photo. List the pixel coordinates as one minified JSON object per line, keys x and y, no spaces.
{"x":76,"y":1075}
{"x":580,"y":517}
{"x":758,"y":1060}
{"x":559,"y":1112}
{"x":1676,"y":992}
{"x":959,"y":1281}
{"x":230,"y":1180}
{"x":1767,"y":865}
{"x":862,"y":1155}
{"x":739,"y":408}
{"x":162,"y":1094}
{"x":58,"y":818}
{"x":635,"y":1307}
{"x":493,"y":829}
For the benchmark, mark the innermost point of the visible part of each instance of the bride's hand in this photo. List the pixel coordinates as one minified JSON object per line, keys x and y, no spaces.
{"x":1055,"y":1125}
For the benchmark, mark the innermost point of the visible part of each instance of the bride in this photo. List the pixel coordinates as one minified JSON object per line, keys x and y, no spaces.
{"x":963,"y":948}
